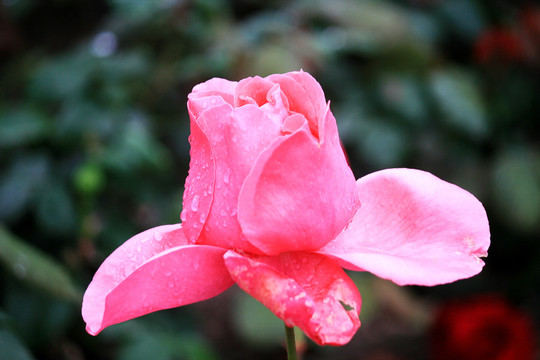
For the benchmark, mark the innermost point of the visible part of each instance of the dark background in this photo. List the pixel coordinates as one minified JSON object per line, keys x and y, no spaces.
{"x":93,"y":149}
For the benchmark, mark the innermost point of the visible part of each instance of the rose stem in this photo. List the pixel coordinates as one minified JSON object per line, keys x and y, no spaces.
{"x":291,"y":346}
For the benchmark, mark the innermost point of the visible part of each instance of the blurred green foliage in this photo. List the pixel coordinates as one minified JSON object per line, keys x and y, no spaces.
{"x":93,"y":143}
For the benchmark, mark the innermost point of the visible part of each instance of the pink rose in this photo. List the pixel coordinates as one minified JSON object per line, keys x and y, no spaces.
{"x":271,"y":204}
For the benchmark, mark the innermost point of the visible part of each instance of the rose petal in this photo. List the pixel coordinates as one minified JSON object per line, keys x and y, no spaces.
{"x":299,"y":195}
{"x":252,"y":91}
{"x":235,"y":137}
{"x":152,"y":271}
{"x":200,"y":182}
{"x":305,"y":96}
{"x":305,"y":290}
{"x":218,"y":87}
{"x":413,"y":228}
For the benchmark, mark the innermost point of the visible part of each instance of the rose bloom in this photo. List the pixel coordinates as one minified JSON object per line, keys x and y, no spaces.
{"x":271,"y":204}
{"x":482,"y":328}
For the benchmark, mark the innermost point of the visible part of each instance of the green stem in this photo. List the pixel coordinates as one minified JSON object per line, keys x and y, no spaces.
{"x":291,"y":345}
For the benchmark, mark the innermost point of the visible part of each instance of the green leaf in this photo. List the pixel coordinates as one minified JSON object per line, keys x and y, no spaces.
{"x":139,"y":11}
{"x":135,"y":148}
{"x":167,"y":346}
{"x":21,"y":126}
{"x":459,"y":102}
{"x":12,"y":348}
{"x":382,"y":143}
{"x":55,"y":210}
{"x":63,"y":76}
{"x":463,"y":17}
{"x":19,"y":184}
{"x":401,"y":94}
{"x":256,"y":323}
{"x":36,"y":268}
{"x":516,"y":180}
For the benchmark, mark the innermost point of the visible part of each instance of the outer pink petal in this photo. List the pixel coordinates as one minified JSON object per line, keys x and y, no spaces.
{"x":413,"y":228}
{"x":303,"y":289}
{"x":234,"y":137}
{"x":300,"y":193}
{"x":153,"y":270}
{"x":199,"y":187}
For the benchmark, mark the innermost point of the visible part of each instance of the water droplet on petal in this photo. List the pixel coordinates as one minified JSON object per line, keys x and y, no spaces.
{"x":242,"y":125}
{"x":158,"y":236}
{"x":202,"y":218}
{"x":183,"y":215}
{"x":171,"y":284}
{"x":168,"y":273}
{"x":195,"y":203}
{"x":227,"y":176}
{"x":233,"y":212}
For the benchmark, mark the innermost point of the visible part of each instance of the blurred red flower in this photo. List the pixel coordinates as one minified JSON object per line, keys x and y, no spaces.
{"x":500,"y":45}
{"x":482,"y":328}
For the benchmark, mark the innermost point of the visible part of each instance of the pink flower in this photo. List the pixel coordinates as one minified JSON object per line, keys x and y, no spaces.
{"x":271,"y":205}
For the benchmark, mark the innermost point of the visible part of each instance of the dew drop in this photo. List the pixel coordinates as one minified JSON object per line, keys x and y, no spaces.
{"x":242,"y":125}
{"x":171,"y":284}
{"x":195,"y":203}
{"x":183,"y":215}
{"x":158,"y":236}
{"x":168,"y":273}
{"x":202,"y":218}
{"x":233,"y":211}
{"x":227,"y":176}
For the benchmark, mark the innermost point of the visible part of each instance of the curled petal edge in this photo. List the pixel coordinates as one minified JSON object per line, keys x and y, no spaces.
{"x":414,"y":229}
{"x":143,"y":276}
